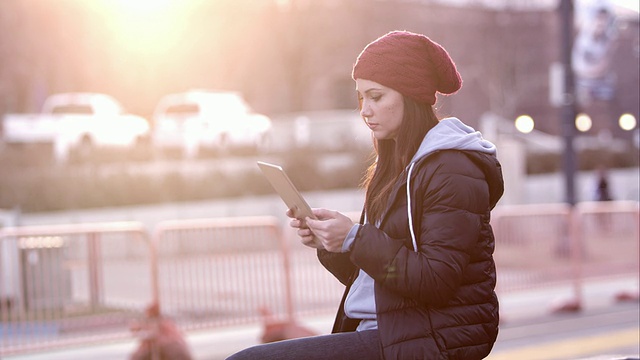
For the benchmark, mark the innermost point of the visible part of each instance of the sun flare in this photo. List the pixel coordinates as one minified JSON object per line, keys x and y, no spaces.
{"x":146,"y":28}
{"x":144,"y":6}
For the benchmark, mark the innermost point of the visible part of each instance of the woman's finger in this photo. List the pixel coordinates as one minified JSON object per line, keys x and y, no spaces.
{"x":308,"y":241}
{"x":291,"y":212}
{"x":304,"y":232}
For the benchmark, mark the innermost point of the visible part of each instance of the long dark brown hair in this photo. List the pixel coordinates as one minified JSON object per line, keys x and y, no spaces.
{"x":393,"y":156}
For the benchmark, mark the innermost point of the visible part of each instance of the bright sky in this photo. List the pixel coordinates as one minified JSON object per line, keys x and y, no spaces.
{"x":143,"y":26}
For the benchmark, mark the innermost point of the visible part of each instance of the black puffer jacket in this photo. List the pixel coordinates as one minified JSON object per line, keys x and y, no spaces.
{"x":437,"y":302}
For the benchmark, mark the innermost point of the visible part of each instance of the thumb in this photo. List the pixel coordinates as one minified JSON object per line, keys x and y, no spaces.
{"x":311,"y":223}
{"x":323,"y":214}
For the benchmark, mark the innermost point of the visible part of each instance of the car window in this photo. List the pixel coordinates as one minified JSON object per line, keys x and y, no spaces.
{"x":73,"y":109}
{"x":183,"y":110}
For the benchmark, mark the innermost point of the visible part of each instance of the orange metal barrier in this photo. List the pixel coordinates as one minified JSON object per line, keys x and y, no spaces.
{"x":62,"y":285}
{"x":219,"y":272}
{"x":75,"y":284}
{"x":533,"y":245}
{"x":609,"y":238}
{"x":540,"y":246}
{"x":215,"y":272}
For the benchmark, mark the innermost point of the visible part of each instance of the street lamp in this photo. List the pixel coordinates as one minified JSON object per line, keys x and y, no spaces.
{"x":583,"y":122}
{"x":627,"y":122}
{"x":524,"y":124}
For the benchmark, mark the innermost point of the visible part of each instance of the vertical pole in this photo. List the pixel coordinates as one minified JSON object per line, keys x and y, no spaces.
{"x":95,"y":271}
{"x":286,"y":264}
{"x":153,"y":243}
{"x":576,"y":221}
{"x":569,"y":100}
{"x":569,"y":156}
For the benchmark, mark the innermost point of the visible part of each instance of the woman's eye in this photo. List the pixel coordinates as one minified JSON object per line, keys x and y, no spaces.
{"x":376,"y":97}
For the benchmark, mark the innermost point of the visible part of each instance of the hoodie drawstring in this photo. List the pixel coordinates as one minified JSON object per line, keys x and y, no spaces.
{"x":413,"y":235}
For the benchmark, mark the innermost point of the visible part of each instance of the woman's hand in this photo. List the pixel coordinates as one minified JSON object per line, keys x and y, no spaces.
{"x":330,"y":228}
{"x":306,"y":236}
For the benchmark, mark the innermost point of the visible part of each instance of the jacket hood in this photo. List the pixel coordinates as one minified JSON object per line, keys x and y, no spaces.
{"x":452,"y":134}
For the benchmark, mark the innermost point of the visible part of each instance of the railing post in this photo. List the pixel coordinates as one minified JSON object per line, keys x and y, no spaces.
{"x":153,"y":260}
{"x":95,"y":271}
{"x":286,"y":265}
{"x":577,"y":251}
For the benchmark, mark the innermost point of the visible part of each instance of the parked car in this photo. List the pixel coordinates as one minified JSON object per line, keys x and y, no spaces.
{"x":202,"y":119}
{"x":77,"y":122}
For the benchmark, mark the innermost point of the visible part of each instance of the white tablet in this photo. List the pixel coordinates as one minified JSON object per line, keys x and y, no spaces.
{"x":287,"y":191}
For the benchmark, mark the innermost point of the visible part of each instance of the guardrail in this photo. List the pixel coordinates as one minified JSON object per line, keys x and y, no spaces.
{"x":62,"y":285}
{"x":75,"y":284}
{"x":218,"y":272}
{"x":607,"y":243}
{"x":545,"y":245}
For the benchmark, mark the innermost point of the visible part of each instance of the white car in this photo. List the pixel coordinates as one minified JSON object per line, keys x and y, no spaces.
{"x":217,"y":120}
{"x":77,"y":122}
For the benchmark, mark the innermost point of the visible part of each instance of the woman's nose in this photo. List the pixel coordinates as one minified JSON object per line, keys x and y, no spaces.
{"x":365,"y":111}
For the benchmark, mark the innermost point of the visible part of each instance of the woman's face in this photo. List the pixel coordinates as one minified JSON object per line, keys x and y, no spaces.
{"x":381,"y":107}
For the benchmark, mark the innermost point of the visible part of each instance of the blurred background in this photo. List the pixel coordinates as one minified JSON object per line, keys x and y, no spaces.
{"x":130,"y":131}
{"x":290,"y":60}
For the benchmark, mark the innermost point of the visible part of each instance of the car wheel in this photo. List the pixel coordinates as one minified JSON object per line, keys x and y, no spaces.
{"x":85,"y":149}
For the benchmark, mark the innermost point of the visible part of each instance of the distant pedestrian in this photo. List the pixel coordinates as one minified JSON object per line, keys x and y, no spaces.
{"x":602,"y":185}
{"x":418,"y":268}
{"x":603,"y":193}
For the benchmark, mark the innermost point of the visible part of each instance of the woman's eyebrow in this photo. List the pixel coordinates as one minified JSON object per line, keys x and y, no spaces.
{"x":369,"y":90}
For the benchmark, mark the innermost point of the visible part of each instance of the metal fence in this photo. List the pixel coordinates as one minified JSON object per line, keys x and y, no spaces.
{"x":75,"y":284}
{"x":545,"y":245}
{"x":63,"y":285}
{"x":217,"y":272}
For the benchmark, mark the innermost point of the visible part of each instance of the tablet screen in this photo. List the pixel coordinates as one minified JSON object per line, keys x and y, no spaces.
{"x":285,"y":188}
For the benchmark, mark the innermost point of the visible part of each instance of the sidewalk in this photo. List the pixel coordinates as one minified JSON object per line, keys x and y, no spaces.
{"x":219,"y":343}
{"x":205,"y":345}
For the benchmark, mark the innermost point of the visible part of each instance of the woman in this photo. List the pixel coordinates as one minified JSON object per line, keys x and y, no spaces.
{"x":418,"y":268}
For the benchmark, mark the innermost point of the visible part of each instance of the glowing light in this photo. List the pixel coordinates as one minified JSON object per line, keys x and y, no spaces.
{"x":143,"y":6}
{"x":583,"y":122}
{"x":627,"y":122}
{"x":41,"y":242}
{"x":524,"y":124}
{"x":148,"y":28}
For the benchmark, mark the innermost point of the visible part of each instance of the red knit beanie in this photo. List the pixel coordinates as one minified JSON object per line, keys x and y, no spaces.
{"x":409,"y":63}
